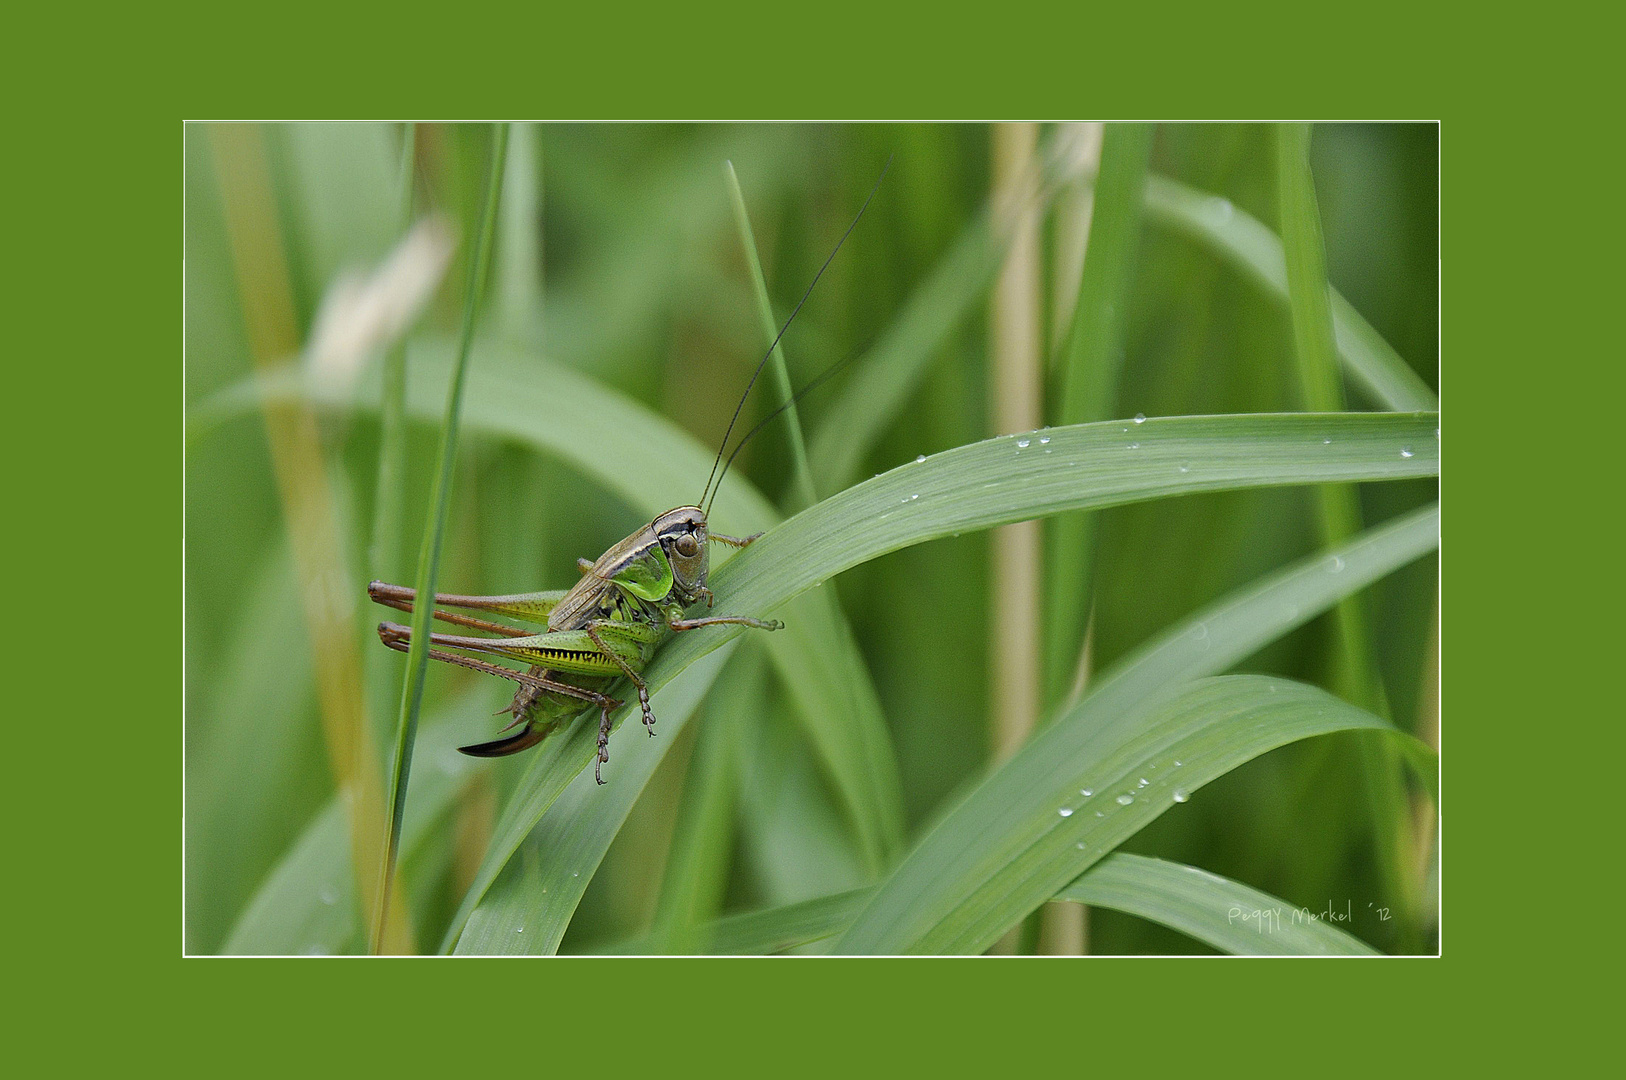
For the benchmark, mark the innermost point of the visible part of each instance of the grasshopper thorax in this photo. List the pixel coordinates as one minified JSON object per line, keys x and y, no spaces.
{"x":683,"y":536}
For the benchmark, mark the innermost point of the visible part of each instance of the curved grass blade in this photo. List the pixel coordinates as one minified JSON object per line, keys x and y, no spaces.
{"x":843,"y":667}
{"x":1210,"y":641}
{"x":761,"y":933}
{"x":307,"y":903}
{"x":434,"y":533}
{"x":1223,"y":913}
{"x":1226,"y":914}
{"x":1089,"y":376}
{"x":526,"y":906}
{"x":704,"y":834}
{"x":1248,"y":245}
{"x":1029,"y":829}
{"x":1017,"y":477}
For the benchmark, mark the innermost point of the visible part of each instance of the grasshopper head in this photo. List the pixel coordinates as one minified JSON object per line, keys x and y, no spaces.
{"x":682,"y":533}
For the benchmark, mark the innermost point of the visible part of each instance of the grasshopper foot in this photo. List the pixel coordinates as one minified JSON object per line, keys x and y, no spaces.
{"x":603,"y":743}
{"x":649,"y":714}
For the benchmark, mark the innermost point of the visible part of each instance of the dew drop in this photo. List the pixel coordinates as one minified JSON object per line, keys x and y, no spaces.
{"x":1405,"y":451}
{"x":329,"y":895}
{"x":1044,"y":440}
{"x":1326,"y":442}
{"x":1335,"y":565}
{"x":1180,"y":795}
{"x":912,"y":498}
{"x":1022,"y":444}
{"x":1134,"y":446}
{"x":1178,"y":763}
{"x":1086,"y":792}
{"x":1220,"y":208}
{"x":1079,"y":845}
{"x":519,"y":929}
{"x":919,"y":458}
{"x":1099,"y":814}
{"x":1125,"y":799}
{"x":1066,"y":811}
{"x":1185,"y":467}
{"x":1140,"y":418}
{"x":1144,"y":781}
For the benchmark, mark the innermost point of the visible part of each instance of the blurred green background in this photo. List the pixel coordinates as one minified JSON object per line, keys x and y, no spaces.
{"x":618,"y":257}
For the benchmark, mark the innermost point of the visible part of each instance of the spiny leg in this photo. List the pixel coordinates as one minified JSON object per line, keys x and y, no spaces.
{"x":603,"y":743}
{"x":721,"y":620}
{"x":626,"y":669}
{"x":733,"y":541}
{"x":527,"y":607}
{"x":399,"y":638}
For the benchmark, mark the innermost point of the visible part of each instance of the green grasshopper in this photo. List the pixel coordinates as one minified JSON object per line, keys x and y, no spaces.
{"x":610,"y":623}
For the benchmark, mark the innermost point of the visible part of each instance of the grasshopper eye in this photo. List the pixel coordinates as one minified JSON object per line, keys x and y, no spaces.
{"x":687,"y":546}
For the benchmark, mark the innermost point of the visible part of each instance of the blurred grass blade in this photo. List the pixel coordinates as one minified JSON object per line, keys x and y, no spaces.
{"x":1356,"y":677}
{"x":434,"y":533}
{"x":389,"y":493}
{"x":307,"y":903}
{"x":703,"y":839}
{"x":1088,"y":380}
{"x":885,"y":376}
{"x":801,"y":475}
{"x":844,"y":667}
{"x":250,"y":785}
{"x":1237,"y":625}
{"x":1248,"y":245}
{"x":1029,"y":828}
{"x":1210,"y":641}
{"x":520,"y":905}
{"x":762,"y":933}
{"x":1226,"y":914}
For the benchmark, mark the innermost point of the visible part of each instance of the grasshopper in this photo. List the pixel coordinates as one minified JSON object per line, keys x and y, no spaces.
{"x":610,"y":624}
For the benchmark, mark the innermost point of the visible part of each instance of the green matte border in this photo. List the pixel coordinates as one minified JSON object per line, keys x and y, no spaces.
{"x":97,"y":415}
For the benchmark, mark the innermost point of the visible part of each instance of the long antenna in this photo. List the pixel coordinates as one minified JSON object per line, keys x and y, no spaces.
{"x":763,"y":362}
{"x":798,"y":396}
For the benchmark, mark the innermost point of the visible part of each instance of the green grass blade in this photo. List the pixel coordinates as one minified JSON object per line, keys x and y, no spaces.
{"x":986,"y":866}
{"x":1356,"y":677}
{"x":1237,"y":625}
{"x":1089,"y":381}
{"x":307,"y":903}
{"x":1017,"y":477}
{"x":521,"y":906}
{"x":801,"y":475}
{"x":237,"y":816}
{"x":1248,"y":245}
{"x":389,"y":492}
{"x":434,"y":533}
{"x":761,"y":933}
{"x":885,"y":376}
{"x":1226,"y":914}
{"x":1210,"y":641}
{"x":874,"y":761}
{"x":703,"y":838}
